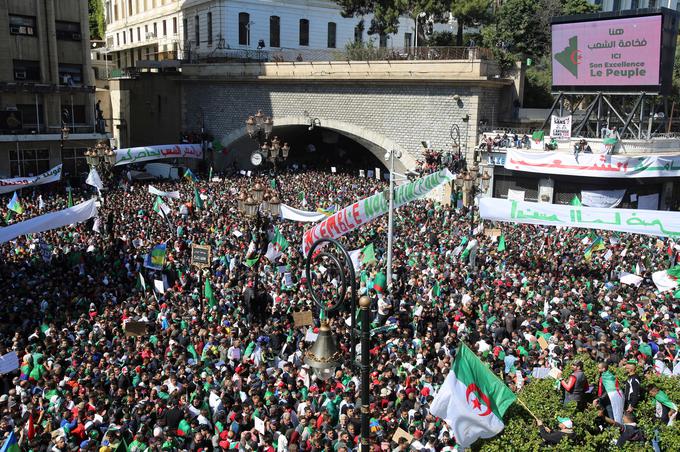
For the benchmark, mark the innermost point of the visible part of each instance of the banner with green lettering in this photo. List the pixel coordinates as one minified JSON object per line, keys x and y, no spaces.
{"x":368,"y":209}
{"x":648,"y":222}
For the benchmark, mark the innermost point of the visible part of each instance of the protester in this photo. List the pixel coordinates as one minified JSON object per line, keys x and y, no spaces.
{"x":224,"y":368}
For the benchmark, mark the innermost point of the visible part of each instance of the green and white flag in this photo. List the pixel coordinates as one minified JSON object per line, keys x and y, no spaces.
{"x":277,"y":246}
{"x":666,"y":279}
{"x":472,"y":400}
{"x":610,"y":385}
{"x":663,"y":399}
{"x":160,"y":207}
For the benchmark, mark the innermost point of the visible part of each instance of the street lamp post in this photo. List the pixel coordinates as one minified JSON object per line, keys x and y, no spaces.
{"x":324,"y":355}
{"x":259,"y":127}
{"x":101,"y":157}
{"x":472,"y":183}
{"x":391,"y":155}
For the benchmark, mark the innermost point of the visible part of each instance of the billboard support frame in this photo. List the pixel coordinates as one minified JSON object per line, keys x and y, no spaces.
{"x":632,"y":121}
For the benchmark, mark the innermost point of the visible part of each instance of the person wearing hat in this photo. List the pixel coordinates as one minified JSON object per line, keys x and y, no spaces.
{"x":632,"y":387}
{"x":576,"y":386}
{"x":565,"y":429}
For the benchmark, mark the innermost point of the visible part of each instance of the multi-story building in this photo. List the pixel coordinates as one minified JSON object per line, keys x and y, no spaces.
{"x":622,"y":5}
{"x":47,"y":107}
{"x":149,"y":30}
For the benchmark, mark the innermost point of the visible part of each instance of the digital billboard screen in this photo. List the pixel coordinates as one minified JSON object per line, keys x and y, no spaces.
{"x":618,"y":54}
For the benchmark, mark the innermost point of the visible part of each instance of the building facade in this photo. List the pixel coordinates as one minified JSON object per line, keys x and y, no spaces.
{"x":622,"y":5}
{"x":158,"y":30}
{"x":47,"y":107}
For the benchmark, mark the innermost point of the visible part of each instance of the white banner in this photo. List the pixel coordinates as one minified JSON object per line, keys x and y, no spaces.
{"x":602,"y":198}
{"x":648,"y":202}
{"x":657,"y":223}
{"x":76,"y":214}
{"x":592,"y":165}
{"x":560,"y":127}
{"x":291,"y":213}
{"x":167,"y":194}
{"x":516,"y":195}
{"x":10,"y":185}
{"x":9,"y":362}
{"x":166,"y":151}
{"x":368,"y":209}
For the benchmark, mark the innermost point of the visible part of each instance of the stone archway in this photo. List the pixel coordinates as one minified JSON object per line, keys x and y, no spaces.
{"x":374,"y":142}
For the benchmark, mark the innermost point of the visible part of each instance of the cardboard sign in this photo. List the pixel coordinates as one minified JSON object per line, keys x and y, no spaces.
{"x":496,"y":232}
{"x":401,"y":433}
{"x":200,"y":255}
{"x":133,"y":328}
{"x":555,"y":373}
{"x":542,"y":342}
{"x":303,"y":318}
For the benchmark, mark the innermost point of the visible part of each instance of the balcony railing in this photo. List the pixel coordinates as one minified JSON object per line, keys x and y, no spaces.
{"x":352,"y":54}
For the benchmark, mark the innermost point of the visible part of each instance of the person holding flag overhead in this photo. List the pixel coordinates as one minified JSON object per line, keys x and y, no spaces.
{"x":665,"y":409}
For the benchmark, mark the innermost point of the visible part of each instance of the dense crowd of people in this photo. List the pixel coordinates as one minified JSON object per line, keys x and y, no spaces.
{"x":227,"y":371}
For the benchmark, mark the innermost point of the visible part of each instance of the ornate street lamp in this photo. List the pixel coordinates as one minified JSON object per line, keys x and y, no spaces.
{"x":324,"y":356}
{"x":275,"y":206}
{"x":258,"y":192}
{"x":259,"y":127}
{"x":241,"y":202}
{"x":250,"y":207}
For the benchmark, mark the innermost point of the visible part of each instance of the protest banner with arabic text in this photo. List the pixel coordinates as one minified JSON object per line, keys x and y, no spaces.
{"x":10,"y":185}
{"x":647,"y":222}
{"x":165,"y":151}
{"x":592,"y":165}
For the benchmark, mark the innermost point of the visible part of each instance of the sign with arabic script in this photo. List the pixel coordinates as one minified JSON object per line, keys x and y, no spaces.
{"x":647,"y":222}
{"x":10,"y":185}
{"x":165,"y":151}
{"x":593,"y":165}
{"x":560,"y":127}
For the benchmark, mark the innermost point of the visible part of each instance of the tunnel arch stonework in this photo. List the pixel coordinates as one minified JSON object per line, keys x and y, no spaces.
{"x":380,"y":116}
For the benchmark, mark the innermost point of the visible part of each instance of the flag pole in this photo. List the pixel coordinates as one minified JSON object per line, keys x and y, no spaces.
{"x":528,"y":410}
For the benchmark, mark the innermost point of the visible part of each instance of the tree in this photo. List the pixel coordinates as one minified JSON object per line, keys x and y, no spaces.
{"x":386,"y":13}
{"x":470,"y":13}
{"x":97,"y":24}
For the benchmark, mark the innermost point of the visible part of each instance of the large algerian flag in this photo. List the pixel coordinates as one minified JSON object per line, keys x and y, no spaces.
{"x":662,"y":398}
{"x":208,"y":293}
{"x":610,"y":384}
{"x":472,"y":399}
{"x":368,"y":254}
{"x":666,"y":279}
{"x":277,"y":246}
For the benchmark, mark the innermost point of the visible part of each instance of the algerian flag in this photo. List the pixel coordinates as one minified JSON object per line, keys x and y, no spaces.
{"x":472,"y":399}
{"x":14,"y":204}
{"x":436,"y":290}
{"x":251,"y":262}
{"x":142,"y":282}
{"x":160,"y":207}
{"x":184,"y":428}
{"x":277,"y":246}
{"x":630,"y":279}
{"x":355,"y":257}
{"x":575,"y":201}
{"x":197,"y":199}
{"x":662,"y":398}
{"x":661,"y":368}
{"x":610,"y":384}
{"x":368,"y":254}
{"x":501,"y":243}
{"x":208,"y":293}
{"x":666,"y":279}
{"x":380,"y":282}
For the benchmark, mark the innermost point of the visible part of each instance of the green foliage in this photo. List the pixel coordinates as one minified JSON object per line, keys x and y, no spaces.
{"x":545,"y":401}
{"x":97,"y":24}
{"x":570,"y":7}
{"x":441,"y":39}
{"x":470,"y":13}
{"x":386,"y":13}
{"x":538,"y":80}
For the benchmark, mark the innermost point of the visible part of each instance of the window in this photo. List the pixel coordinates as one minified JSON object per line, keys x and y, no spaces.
{"x":70,"y":74}
{"x":124,"y":38}
{"x":383,"y":41}
{"x":155,"y":29}
{"x":139,"y":53}
{"x":210,"y":38}
{"x":75,"y":115}
{"x":185,"y":30}
{"x":652,"y":4}
{"x":131,"y":36}
{"x":27,"y":70}
{"x":29,"y":162}
{"x":139,"y":34}
{"x":197,"y":31}
{"x":407,"y":40}
{"x":174,"y":25}
{"x":74,"y":161}
{"x":146,"y":32}
{"x":108,"y":12}
{"x":244,"y":29}
{"x":304,"y":32}
{"x":22,"y":25}
{"x":617,"y":5}
{"x":332,"y":30}
{"x":165,"y":28}
{"x":274,"y":31}
{"x":129,"y":11}
{"x":117,"y":39}
{"x":358,"y":33}
{"x":115,"y":11}
{"x":32,"y":117}
{"x":634,"y":4}
{"x":67,"y":31}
